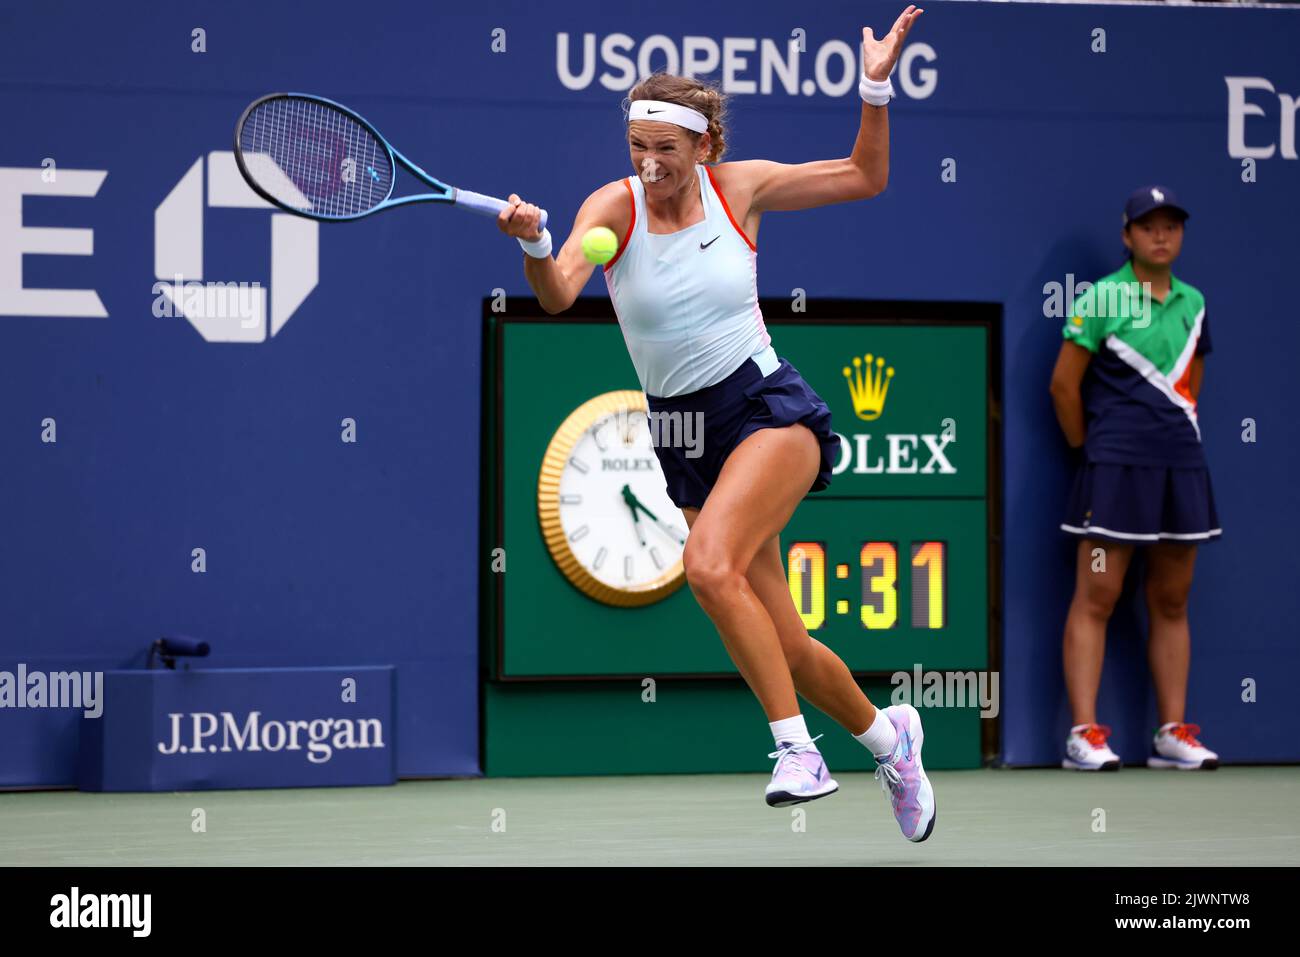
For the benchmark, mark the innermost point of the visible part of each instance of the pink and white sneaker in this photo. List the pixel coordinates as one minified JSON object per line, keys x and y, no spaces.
{"x":903,"y":778}
{"x":1175,"y":746}
{"x":1086,"y":749}
{"x":800,"y":775}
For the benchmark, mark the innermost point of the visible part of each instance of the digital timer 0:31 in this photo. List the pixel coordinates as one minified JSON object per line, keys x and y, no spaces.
{"x":878,"y":576}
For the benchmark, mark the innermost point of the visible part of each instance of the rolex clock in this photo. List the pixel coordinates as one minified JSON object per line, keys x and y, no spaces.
{"x":605,"y":514}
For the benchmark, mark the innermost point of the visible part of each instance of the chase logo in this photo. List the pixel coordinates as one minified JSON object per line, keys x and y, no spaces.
{"x":868,"y":387}
{"x":229,"y":311}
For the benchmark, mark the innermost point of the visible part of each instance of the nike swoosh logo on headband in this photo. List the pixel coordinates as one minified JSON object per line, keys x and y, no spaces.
{"x":654,"y":111}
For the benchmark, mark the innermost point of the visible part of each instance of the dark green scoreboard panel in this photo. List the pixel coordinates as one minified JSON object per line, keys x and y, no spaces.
{"x":889,"y":567}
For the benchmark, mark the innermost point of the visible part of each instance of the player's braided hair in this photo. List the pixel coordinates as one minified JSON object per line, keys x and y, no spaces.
{"x":686,"y":91}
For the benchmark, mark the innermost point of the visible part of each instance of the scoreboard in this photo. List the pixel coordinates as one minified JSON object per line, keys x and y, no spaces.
{"x":889,"y":566}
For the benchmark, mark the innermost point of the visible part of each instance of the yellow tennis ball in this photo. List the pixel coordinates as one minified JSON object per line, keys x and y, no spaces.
{"x":599,"y":245}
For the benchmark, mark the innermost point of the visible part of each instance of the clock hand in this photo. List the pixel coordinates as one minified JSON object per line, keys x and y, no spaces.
{"x":635,"y":504}
{"x":630,"y":501}
{"x":672,"y":531}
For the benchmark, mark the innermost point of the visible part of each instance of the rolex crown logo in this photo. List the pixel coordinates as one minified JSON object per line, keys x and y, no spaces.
{"x":868,"y":387}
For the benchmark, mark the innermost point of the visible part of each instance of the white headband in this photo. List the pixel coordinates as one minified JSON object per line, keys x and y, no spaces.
{"x":663,"y":112}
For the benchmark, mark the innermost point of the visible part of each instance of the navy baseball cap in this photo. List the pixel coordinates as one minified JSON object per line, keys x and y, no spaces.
{"x":1148,"y":198}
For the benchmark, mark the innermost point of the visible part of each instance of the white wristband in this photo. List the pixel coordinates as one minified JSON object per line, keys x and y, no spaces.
{"x":875,"y":92}
{"x":538,"y":249}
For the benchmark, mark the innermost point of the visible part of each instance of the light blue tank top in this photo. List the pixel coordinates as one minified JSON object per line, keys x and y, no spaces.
{"x":688,"y":301}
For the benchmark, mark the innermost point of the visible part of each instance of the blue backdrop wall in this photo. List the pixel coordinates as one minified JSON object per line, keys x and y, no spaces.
{"x":320,"y":551}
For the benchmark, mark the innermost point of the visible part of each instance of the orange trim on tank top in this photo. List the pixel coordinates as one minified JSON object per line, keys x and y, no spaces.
{"x":727,"y":209}
{"x":628,"y":235}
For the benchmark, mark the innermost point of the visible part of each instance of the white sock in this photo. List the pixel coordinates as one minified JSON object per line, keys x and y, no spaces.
{"x":791,"y":730}
{"x":881,"y":738}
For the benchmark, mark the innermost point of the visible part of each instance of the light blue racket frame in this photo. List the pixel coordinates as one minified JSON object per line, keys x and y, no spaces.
{"x":463,"y":198}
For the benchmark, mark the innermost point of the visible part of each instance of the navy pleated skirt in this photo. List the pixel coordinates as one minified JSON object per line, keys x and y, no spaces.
{"x":727,"y":413}
{"x":1142,"y":504}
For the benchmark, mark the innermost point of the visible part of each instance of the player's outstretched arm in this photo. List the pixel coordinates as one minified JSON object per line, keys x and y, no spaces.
{"x":557,"y":281}
{"x":861,"y":175}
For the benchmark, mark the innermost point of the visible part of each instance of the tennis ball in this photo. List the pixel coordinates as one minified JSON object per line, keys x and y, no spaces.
{"x":599,"y":245}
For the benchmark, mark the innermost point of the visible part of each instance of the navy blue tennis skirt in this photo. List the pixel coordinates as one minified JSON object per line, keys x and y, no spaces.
{"x":1142,"y":504}
{"x":724,"y":415}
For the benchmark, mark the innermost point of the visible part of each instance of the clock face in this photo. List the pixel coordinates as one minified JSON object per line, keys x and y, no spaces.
{"x":605,"y":512}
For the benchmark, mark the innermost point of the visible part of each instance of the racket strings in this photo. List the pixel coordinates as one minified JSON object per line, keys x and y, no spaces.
{"x":315,"y":158}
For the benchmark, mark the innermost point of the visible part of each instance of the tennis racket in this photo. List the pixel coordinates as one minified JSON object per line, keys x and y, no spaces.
{"x":316,"y":158}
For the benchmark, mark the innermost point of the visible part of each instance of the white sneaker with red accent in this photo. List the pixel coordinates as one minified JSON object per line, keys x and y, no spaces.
{"x":1175,"y":746}
{"x":1086,"y":749}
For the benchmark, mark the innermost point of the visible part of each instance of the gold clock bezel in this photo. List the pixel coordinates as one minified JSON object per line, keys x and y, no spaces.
{"x":557,"y":455}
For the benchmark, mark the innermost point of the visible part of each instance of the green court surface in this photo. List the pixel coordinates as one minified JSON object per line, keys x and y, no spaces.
{"x":1233,"y":816}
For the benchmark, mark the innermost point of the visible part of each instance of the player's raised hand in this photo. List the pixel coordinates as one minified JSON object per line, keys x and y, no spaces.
{"x":520,"y":219}
{"x":879,"y":56}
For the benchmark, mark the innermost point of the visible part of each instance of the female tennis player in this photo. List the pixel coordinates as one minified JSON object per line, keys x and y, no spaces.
{"x":684,"y":287}
{"x":1125,"y":388}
